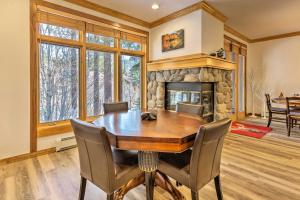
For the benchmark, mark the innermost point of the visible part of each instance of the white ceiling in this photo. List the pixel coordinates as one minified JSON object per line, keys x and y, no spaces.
{"x":260,"y":18}
{"x":253,"y":18}
{"x":141,"y":9}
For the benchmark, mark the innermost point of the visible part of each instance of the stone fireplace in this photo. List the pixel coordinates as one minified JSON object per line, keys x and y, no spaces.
{"x":220,"y":78}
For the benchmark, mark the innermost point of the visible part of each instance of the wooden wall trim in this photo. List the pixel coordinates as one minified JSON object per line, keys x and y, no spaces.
{"x":190,"y":61}
{"x":77,"y":13}
{"x":274,"y":37}
{"x":108,"y":11}
{"x":6,"y":161}
{"x":33,"y":81}
{"x":236,"y":33}
{"x":197,"y":6}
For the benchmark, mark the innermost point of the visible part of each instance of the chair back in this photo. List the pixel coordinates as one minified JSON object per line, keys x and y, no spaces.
{"x":115,"y":107}
{"x":206,"y":153}
{"x":289,"y":104}
{"x":268,"y":101}
{"x":194,"y":109}
{"x":95,"y":154}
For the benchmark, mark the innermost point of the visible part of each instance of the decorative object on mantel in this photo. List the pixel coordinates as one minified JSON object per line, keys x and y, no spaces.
{"x":220,"y":54}
{"x":149,"y":116}
{"x":173,"y":41}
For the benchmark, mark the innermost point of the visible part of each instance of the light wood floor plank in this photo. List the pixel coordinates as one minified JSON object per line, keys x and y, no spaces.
{"x":251,"y":169}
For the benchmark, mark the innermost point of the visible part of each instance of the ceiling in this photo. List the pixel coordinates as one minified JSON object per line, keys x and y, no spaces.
{"x":141,"y":9}
{"x":252,"y":18}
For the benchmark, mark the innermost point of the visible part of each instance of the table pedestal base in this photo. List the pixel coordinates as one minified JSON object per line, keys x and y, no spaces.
{"x":120,"y":193}
{"x":161,"y":180}
{"x":164,"y":182}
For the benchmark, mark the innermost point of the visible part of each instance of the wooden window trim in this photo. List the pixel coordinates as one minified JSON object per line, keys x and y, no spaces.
{"x":38,"y":16}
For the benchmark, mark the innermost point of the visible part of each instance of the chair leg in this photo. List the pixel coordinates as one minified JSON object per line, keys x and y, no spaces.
{"x":110,"y":196}
{"x":218,"y":187}
{"x":149,"y":185}
{"x":82,"y":188}
{"x":195,"y":195}
{"x":270,"y":119}
{"x":289,"y":128}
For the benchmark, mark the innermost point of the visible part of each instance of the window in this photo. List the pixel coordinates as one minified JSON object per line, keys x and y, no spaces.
{"x":79,"y":66}
{"x":100,"y":80}
{"x":99,"y":39}
{"x":131,"y":80}
{"x":129,"y":45}
{"x":59,"y":85}
{"x":59,"y":32}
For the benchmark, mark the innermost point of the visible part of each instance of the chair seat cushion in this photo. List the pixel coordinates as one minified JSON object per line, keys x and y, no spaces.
{"x":177,"y":166}
{"x":294,"y":115}
{"x":126,"y":166}
{"x":280,"y":110}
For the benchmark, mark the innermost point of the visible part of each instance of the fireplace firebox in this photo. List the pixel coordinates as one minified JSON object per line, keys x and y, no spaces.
{"x":192,"y":93}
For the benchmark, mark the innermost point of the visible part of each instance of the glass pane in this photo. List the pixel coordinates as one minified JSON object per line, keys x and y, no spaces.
{"x":59,"y":32}
{"x":129,"y":45}
{"x":59,"y":85}
{"x":99,"y":79}
{"x":233,"y":58}
{"x":241,"y":83}
{"x":131,"y":80}
{"x":99,"y":39}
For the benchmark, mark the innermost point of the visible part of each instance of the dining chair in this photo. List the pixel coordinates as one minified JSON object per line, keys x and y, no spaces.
{"x":293,"y":114}
{"x":195,"y":109}
{"x":115,"y":107}
{"x":107,"y":168}
{"x":195,"y":168}
{"x":275,"y":110}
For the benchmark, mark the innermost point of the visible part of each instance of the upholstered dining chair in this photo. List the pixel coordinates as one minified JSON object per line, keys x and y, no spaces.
{"x":195,"y":109}
{"x":275,"y":110}
{"x":293,"y":114}
{"x":195,"y":168}
{"x":115,"y":107}
{"x":107,"y":168}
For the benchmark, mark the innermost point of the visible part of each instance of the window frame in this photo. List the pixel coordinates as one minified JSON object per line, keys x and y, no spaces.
{"x":83,"y":26}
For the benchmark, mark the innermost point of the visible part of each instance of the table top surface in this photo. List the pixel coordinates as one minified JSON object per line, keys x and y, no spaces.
{"x":283,"y":101}
{"x":171,"y":132}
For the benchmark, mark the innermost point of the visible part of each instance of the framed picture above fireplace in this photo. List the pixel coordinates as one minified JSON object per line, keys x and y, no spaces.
{"x":173,"y":41}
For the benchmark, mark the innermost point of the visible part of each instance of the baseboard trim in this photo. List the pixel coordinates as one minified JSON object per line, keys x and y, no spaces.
{"x":256,"y":114}
{"x":26,"y":156}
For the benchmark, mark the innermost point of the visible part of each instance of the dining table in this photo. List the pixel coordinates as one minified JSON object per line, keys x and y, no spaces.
{"x":171,"y":132}
{"x":282,"y":101}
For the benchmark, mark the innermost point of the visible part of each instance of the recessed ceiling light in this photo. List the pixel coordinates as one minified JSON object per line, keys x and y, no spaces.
{"x":155,"y":6}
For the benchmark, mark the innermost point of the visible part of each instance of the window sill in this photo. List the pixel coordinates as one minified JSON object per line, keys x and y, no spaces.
{"x":44,"y":130}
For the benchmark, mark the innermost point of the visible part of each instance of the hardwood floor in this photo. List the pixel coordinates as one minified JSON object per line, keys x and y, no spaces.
{"x":268,"y":168}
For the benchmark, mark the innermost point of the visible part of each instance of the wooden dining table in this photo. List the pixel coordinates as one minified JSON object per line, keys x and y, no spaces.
{"x":171,"y":132}
{"x":283,"y":101}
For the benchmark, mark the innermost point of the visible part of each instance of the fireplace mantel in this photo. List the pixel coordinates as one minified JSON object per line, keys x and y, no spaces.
{"x":190,"y":61}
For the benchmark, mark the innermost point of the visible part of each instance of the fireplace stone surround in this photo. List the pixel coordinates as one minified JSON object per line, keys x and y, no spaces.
{"x":221,"y":78}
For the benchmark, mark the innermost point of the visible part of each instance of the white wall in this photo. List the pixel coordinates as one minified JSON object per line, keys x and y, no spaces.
{"x":212,"y":33}
{"x":14,"y":77}
{"x":203,"y":34}
{"x":276,"y":64}
{"x":191,"y":24}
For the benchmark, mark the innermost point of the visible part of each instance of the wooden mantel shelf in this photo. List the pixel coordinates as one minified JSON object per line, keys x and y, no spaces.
{"x":190,"y":61}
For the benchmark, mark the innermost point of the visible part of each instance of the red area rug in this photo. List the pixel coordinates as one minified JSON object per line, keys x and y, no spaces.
{"x":249,"y":130}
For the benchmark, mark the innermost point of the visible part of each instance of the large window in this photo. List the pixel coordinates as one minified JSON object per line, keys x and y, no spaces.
{"x":100,"y":76}
{"x":131,"y":80}
{"x":79,"y":67}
